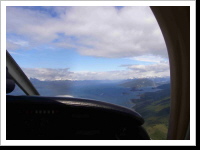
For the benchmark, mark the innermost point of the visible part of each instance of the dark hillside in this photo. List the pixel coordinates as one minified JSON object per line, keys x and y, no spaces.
{"x":155,"y":108}
{"x":138,"y":83}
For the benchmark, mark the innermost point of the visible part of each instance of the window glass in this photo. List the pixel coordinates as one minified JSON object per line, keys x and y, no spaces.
{"x":110,"y":54}
{"x":17,"y":91}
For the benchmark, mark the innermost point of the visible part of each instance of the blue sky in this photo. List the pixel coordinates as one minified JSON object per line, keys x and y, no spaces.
{"x":70,"y":59}
{"x":109,"y":43}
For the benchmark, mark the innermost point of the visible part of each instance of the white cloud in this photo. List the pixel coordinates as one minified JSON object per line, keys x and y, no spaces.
{"x":48,"y":74}
{"x":93,"y":31}
{"x":130,"y":71}
{"x":150,"y":58}
{"x":158,"y":69}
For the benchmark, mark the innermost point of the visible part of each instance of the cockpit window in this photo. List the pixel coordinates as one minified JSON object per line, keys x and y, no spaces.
{"x":113,"y":54}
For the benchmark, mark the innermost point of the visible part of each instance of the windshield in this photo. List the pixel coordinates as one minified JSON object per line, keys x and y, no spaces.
{"x":113,"y":54}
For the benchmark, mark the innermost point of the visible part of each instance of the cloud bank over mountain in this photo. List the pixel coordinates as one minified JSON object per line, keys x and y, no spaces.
{"x":130,"y":72}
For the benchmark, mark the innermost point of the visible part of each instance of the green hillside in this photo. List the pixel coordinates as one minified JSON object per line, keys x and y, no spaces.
{"x":155,"y":108}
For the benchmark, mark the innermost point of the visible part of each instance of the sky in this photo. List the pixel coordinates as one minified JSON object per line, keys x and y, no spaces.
{"x":86,"y":42}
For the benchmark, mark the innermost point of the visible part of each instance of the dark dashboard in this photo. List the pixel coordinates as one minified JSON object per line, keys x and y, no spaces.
{"x":57,"y":118}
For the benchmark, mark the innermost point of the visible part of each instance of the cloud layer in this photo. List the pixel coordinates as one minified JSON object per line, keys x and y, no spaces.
{"x":93,"y":31}
{"x":129,"y":72}
{"x":110,"y":32}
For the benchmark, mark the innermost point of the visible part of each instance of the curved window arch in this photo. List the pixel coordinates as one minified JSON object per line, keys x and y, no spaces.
{"x":177,"y":37}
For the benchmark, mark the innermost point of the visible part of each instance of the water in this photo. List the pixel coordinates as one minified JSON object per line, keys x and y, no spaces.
{"x":107,"y":92}
{"x":110,"y":92}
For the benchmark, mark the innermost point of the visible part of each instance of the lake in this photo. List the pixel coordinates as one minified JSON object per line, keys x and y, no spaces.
{"x":111,"y":92}
{"x":108,"y":92}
